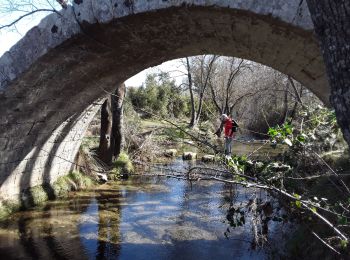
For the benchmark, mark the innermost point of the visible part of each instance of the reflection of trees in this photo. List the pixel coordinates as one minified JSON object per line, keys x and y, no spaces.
{"x":43,"y":234}
{"x":257,"y":211}
{"x":229,"y":194}
{"x":109,"y":214}
{"x":53,"y":232}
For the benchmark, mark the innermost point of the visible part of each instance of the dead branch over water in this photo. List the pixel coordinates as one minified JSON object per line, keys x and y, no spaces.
{"x":199,"y":173}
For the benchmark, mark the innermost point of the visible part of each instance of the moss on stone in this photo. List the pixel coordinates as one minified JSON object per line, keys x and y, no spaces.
{"x":62,"y":186}
{"x":73,"y":181}
{"x":3,"y":213}
{"x":38,"y":195}
{"x":8,"y":207}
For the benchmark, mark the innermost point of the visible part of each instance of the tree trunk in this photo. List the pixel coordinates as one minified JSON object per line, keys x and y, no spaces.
{"x":193,"y":108}
{"x":204,"y":84}
{"x":104,"y":149}
{"x":298,"y":98}
{"x":199,"y":110}
{"x":111,"y":137}
{"x":117,"y":127}
{"x":213,"y":97}
{"x":285,"y":105}
{"x":331,"y":20}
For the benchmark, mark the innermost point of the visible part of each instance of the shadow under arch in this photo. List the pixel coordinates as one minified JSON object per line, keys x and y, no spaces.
{"x":82,"y":69}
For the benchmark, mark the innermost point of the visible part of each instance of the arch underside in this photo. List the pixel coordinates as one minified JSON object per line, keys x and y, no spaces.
{"x":45,"y":111}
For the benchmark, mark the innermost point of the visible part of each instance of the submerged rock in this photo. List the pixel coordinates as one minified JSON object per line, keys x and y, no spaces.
{"x":208,"y":158}
{"x":170,"y":152}
{"x":189,"y":156}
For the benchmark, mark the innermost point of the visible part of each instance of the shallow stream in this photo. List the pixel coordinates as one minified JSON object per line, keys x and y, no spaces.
{"x":141,"y":218}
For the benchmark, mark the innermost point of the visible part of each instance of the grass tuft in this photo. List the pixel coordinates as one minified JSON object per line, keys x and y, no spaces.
{"x":121,"y":167}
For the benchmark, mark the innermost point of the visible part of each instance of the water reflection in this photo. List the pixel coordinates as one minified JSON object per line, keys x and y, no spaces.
{"x":142,"y":218}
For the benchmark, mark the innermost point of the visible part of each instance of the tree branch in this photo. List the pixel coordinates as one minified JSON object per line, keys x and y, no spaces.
{"x":28,"y":14}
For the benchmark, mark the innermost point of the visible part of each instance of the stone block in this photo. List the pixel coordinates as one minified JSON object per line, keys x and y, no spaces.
{"x":189,"y":156}
{"x":170,"y":152}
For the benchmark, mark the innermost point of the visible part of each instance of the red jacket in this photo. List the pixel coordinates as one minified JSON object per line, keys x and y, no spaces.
{"x":228,"y":125}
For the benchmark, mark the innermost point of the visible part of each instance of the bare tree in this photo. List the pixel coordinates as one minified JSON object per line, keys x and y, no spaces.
{"x":203,"y":70}
{"x":297,"y":96}
{"x":198,"y":72}
{"x":260,"y":97}
{"x":190,"y":87}
{"x":21,"y":9}
{"x":224,"y":92}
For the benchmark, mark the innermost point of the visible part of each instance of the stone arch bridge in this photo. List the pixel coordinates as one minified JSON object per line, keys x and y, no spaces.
{"x":51,"y":80}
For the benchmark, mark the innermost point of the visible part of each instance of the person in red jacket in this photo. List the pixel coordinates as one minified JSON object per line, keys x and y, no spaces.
{"x":230,"y":127}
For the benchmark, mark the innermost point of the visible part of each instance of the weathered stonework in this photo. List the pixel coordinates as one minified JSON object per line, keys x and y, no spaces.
{"x":51,"y":77}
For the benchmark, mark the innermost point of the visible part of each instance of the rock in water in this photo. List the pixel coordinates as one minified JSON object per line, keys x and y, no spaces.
{"x":208,"y":158}
{"x":189,"y":156}
{"x":170,"y":152}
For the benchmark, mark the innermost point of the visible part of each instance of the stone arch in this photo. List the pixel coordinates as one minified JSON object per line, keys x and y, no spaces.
{"x":52,"y":78}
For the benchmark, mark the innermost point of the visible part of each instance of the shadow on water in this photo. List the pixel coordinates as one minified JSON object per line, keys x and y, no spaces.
{"x":26,"y":240}
{"x":108,"y":244}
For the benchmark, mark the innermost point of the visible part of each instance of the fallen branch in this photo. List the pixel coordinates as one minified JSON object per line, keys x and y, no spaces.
{"x":325,"y":243}
{"x":306,"y":204}
{"x":179,"y":177}
{"x":330,"y":168}
{"x":256,"y":150}
{"x":206,"y":143}
{"x":285,"y":193}
{"x":316,"y":176}
{"x":221,"y":171}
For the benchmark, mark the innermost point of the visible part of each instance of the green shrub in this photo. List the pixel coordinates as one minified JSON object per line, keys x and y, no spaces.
{"x":124,"y":163}
{"x":159,"y":95}
{"x":81,"y":180}
{"x":115,"y":174}
{"x":62,"y":186}
{"x":3,"y":212}
{"x":38,"y":195}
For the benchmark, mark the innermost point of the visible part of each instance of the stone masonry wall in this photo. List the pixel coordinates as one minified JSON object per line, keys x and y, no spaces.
{"x":43,"y":164}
